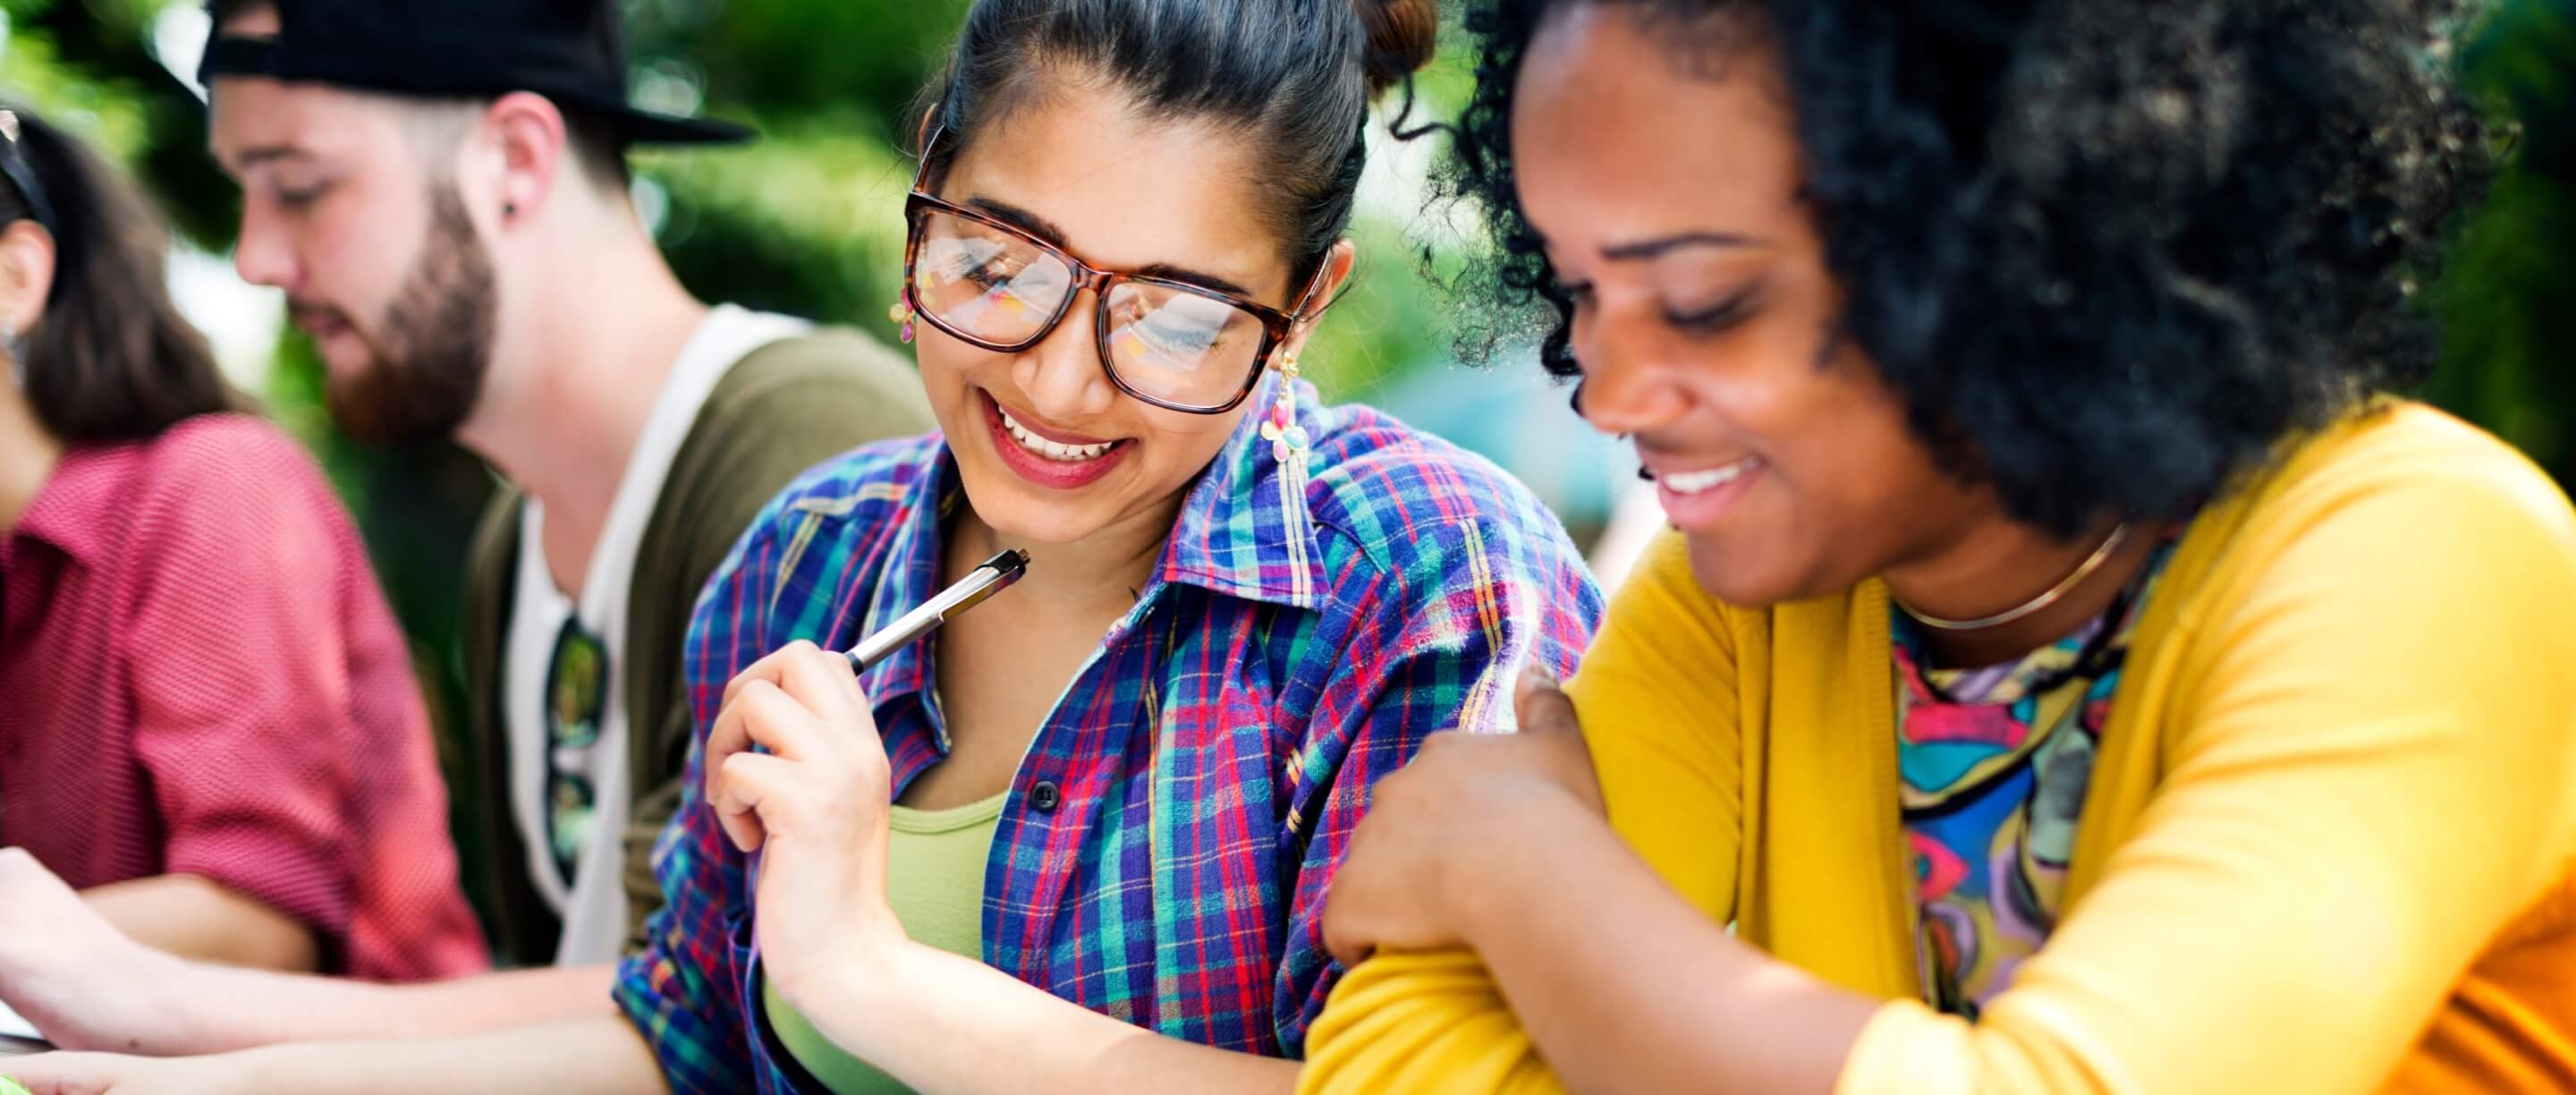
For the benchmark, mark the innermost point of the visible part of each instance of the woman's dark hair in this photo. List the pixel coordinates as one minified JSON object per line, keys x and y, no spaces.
{"x":1295,"y":77}
{"x":2108,"y":252}
{"x":110,"y":359}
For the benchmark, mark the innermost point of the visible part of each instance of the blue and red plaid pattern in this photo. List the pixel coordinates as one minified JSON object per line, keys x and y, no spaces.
{"x":1212,"y":758}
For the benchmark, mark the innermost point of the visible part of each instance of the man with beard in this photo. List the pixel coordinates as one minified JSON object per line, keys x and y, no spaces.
{"x":439,"y":188}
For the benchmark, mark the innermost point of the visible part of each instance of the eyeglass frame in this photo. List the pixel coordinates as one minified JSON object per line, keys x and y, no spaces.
{"x":1276,"y":326}
{"x":572,"y":634}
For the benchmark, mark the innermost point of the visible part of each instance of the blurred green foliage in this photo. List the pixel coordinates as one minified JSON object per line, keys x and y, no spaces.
{"x":807,"y":222}
{"x":2508,"y":298}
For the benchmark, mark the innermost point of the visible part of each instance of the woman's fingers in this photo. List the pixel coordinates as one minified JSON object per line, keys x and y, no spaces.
{"x":818,"y":680}
{"x":759,"y":715}
{"x":823,"y":682}
{"x":1342,"y":939}
{"x":766,"y":669}
{"x":1433,"y":819}
{"x":1359,"y":908}
{"x":798,"y":709}
{"x":1541,"y":707}
{"x":730,"y":735}
{"x":781,"y":723}
{"x":1349,"y":952}
{"x":743,"y":783}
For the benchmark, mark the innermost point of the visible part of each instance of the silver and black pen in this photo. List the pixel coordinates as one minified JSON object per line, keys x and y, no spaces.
{"x":979,"y":585}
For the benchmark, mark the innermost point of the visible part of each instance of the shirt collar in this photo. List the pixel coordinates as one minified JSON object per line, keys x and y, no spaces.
{"x":1244,"y":531}
{"x":911,"y":569}
{"x":70,"y":510}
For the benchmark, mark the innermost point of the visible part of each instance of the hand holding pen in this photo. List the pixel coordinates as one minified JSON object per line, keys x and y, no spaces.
{"x":795,"y":771}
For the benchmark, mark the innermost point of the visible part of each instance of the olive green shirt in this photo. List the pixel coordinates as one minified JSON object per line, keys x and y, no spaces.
{"x":781,"y":409}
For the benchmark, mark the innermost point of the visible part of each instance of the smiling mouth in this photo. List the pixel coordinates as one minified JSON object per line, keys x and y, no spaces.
{"x":1701,"y":482}
{"x":1052,"y":450}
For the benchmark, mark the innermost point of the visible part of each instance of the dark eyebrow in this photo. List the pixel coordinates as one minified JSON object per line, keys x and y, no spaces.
{"x":1657,"y":248}
{"x":1019,"y":218}
{"x":268,"y":154}
{"x":1169,"y":272}
{"x":1045,"y":229}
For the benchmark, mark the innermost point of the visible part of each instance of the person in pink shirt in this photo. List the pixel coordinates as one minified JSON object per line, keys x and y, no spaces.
{"x":208,"y":722}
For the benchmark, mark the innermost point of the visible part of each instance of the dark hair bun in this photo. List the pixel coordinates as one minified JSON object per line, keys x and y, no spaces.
{"x":1402,"y":36}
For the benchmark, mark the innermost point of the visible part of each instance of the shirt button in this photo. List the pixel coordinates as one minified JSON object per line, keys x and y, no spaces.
{"x":1044,"y":796}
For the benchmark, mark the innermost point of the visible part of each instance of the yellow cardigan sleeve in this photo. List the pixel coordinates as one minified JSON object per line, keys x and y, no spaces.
{"x":1661,"y":674}
{"x":2374,"y":777}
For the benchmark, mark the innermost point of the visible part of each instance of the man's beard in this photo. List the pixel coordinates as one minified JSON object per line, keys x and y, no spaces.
{"x":434,"y":348}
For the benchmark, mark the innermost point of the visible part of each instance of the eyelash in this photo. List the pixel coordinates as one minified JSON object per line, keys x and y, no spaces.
{"x":1708,"y":321}
{"x":301,"y":198}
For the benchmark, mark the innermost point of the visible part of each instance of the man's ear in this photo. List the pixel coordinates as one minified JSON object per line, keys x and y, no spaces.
{"x":534,"y":147}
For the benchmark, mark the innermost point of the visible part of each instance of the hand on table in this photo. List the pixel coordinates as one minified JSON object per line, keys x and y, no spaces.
{"x":815,"y":805}
{"x":1467,"y":806}
{"x":67,"y":970}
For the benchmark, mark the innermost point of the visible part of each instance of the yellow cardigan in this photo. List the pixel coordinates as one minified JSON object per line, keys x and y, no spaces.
{"x":2330,"y":844}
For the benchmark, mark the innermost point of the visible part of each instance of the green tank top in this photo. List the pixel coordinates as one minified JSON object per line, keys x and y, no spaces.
{"x":935,"y":881}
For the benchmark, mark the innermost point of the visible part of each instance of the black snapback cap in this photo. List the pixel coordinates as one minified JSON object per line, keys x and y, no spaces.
{"x":570,"y":51}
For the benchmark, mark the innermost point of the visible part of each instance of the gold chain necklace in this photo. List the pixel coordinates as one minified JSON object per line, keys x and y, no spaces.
{"x":2101,"y":555}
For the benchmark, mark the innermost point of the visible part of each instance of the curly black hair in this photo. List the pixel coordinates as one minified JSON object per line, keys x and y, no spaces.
{"x":2108,"y":252}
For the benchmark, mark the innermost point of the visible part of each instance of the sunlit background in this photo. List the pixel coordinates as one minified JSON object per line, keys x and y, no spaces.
{"x":808,"y":222}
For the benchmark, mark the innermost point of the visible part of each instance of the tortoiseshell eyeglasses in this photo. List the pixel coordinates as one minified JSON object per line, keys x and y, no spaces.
{"x":1172,"y":344}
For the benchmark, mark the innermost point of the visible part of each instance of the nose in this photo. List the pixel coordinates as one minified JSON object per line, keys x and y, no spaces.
{"x":261,"y":253}
{"x":1064,"y":376}
{"x":1630,"y":384}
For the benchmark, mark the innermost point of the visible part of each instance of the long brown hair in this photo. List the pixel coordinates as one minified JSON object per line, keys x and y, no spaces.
{"x":111,"y":358}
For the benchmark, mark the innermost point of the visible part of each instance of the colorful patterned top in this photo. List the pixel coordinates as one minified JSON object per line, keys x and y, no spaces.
{"x":1994,"y":765}
{"x":1163,"y":855}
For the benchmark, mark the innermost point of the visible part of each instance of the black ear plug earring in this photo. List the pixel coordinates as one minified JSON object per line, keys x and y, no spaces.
{"x":509,"y":209}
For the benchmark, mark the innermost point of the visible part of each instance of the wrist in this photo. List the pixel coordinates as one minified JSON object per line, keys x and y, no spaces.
{"x":182,"y":1012}
{"x":1504,"y":865}
{"x":842,"y":972}
{"x":857,"y":993}
{"x":268,"y":1070}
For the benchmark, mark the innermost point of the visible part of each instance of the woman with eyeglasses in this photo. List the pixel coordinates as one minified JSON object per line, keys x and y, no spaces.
{"x":1119,"y":790}
{"x":1080,"y":838}
{"x":2076,"y":670}
{"x":209,"y":720}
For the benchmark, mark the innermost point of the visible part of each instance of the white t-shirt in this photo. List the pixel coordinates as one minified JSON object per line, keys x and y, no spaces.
{"x":593,"y":906}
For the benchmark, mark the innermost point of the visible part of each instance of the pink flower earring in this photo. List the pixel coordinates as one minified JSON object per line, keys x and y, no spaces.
{"x":1288,"y":440}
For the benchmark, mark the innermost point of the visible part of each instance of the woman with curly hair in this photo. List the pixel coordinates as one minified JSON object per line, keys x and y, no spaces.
{"x":2074,"y":671}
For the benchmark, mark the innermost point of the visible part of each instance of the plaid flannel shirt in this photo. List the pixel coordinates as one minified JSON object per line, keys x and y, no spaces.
{"x":1205,"y":769}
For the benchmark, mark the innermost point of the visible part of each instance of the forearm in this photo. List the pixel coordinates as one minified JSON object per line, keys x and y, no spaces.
{"x":599,"y":1055}
{"x":228,"y":1009}
{"x":944,"y":1023}
{"x":196,"y":918}
{"x":1623,"y":986}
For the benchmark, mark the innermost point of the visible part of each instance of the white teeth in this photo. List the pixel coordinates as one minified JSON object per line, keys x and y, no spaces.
{"x":1068,"y":454}
{"x":1696,"y":482}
